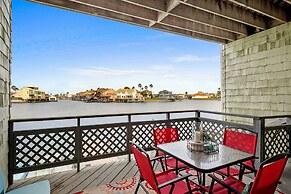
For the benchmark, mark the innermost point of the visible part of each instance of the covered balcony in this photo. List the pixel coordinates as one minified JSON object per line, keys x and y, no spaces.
{"x":104,"y":140}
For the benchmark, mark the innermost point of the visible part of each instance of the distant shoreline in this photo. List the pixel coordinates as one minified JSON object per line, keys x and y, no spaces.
{"x":146,"y":100}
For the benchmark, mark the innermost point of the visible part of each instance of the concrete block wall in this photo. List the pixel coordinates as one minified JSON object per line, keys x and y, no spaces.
{"x":256,"y":73}
{"x":5,"y":61}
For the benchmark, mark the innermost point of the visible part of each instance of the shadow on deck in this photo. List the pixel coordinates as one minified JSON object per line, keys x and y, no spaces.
{"x":106,"y":171}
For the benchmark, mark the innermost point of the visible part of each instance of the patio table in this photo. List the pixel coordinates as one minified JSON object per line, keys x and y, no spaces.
{"x":203,"y":162}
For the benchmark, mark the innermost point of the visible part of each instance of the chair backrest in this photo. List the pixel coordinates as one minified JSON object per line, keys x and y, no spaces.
{"x":165,"y":135}
{"x":144,"y":165}
{"x":2,"y":183}
{"x":241,"y":141}
{"x":269,"y":174}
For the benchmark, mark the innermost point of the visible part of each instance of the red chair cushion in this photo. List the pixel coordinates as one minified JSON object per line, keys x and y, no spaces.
{"x":231,"y":181}
{"x":180,"y":187}
{"x":232,"y":171}
{"x":171,"y":162}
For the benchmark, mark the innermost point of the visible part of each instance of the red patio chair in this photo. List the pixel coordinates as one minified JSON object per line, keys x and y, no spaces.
{"x":241,"y":141}
{"x":265,"y":182}
{"x":164,"y":182}
{"x":167,"y":135}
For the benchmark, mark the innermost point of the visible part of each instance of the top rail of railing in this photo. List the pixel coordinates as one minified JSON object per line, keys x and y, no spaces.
{"x":132,"y":114}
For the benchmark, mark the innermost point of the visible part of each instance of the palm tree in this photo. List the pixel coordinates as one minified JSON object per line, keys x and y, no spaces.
{"x":151,"y":86}
{"x":14,"y":88}
{"x":140,"y":86}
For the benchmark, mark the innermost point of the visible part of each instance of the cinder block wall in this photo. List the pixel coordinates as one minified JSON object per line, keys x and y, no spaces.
{"x":256,"y":73}
{"x":5,"y":61}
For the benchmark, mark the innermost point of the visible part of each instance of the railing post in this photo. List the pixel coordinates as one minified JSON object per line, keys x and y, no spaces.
{"x":288,"y":123}
{"x":129,"y":137}
{"x":168,"y":124}
{"x":259,"y":127}
{"x":78,"y":142}
{"x":11,"y":154}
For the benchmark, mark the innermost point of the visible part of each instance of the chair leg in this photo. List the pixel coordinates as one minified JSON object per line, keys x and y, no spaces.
{"x":176,"y":167}
{"x":137,"y":187}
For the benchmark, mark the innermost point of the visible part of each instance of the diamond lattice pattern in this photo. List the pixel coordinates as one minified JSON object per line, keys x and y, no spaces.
{"x":37,"y":149}
{"x":276,"y":142}
{"x":102,"y":141}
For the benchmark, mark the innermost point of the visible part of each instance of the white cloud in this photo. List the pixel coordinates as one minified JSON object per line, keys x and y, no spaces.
{"x":193,"y":58}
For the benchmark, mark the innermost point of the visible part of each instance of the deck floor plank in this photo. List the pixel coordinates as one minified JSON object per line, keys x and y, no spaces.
{"x":121,"y":175}
{"x":60,"y":181}
{"x":93,"y":177}
{"x":114,"y":173}
{"x":79,"y":178}
{"x":111,"y":168}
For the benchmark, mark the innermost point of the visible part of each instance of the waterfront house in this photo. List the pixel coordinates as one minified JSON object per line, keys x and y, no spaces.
{"x":140,"y":97}
{"x":29,"y":94}
{"x":200,"y":95}
{"x":166,"y":94}
{"x":180,"y":96}
{"x":87,"y":95}
{"x":53,"y":99}
{"x":104,"y":95}
{"x":127,"y":95}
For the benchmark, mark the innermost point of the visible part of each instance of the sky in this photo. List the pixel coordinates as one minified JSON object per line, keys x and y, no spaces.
{"x":62,"y":51}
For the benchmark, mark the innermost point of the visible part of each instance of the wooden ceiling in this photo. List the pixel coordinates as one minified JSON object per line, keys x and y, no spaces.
{"x":220,"y":21}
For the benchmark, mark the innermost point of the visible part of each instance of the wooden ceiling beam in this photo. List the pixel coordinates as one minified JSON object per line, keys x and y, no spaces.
{"x":229,"y":11}
{"x":122,"y":8}
{"x":174,"y":30}
{"x":196,"y":15}
{"x":263,"y":7}
{"x":170,"y":4}
{"x":159,"y":5}
{"x":85,"y":9}
{"x":198,"y":28}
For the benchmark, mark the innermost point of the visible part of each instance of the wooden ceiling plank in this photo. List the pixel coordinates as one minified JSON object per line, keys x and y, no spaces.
{"x":159,"y":5}
{"x":206,"y":18}
{"x":72,"y":6}
{"x":198,"y":28}
{"x":229,"y":11}
{"x":174,"y":30}
{"x":122,"y":8}
{"x":195,"y":15}
{"x":263,"y":7}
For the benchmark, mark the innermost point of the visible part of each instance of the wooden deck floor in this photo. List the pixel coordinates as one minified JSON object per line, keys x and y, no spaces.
{"x":106,"y":171}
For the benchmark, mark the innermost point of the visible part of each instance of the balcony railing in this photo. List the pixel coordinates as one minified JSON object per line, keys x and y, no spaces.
{"x":37,"y":143}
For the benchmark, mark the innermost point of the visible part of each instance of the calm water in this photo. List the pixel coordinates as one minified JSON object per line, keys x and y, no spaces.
{"x":78,"y":108}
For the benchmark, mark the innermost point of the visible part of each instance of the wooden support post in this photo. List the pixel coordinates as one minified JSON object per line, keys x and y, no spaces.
{"x":78,"y":141}
{"x":259,"y":127}
{"x":11,"y":153}
{"x":129,"y":137}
